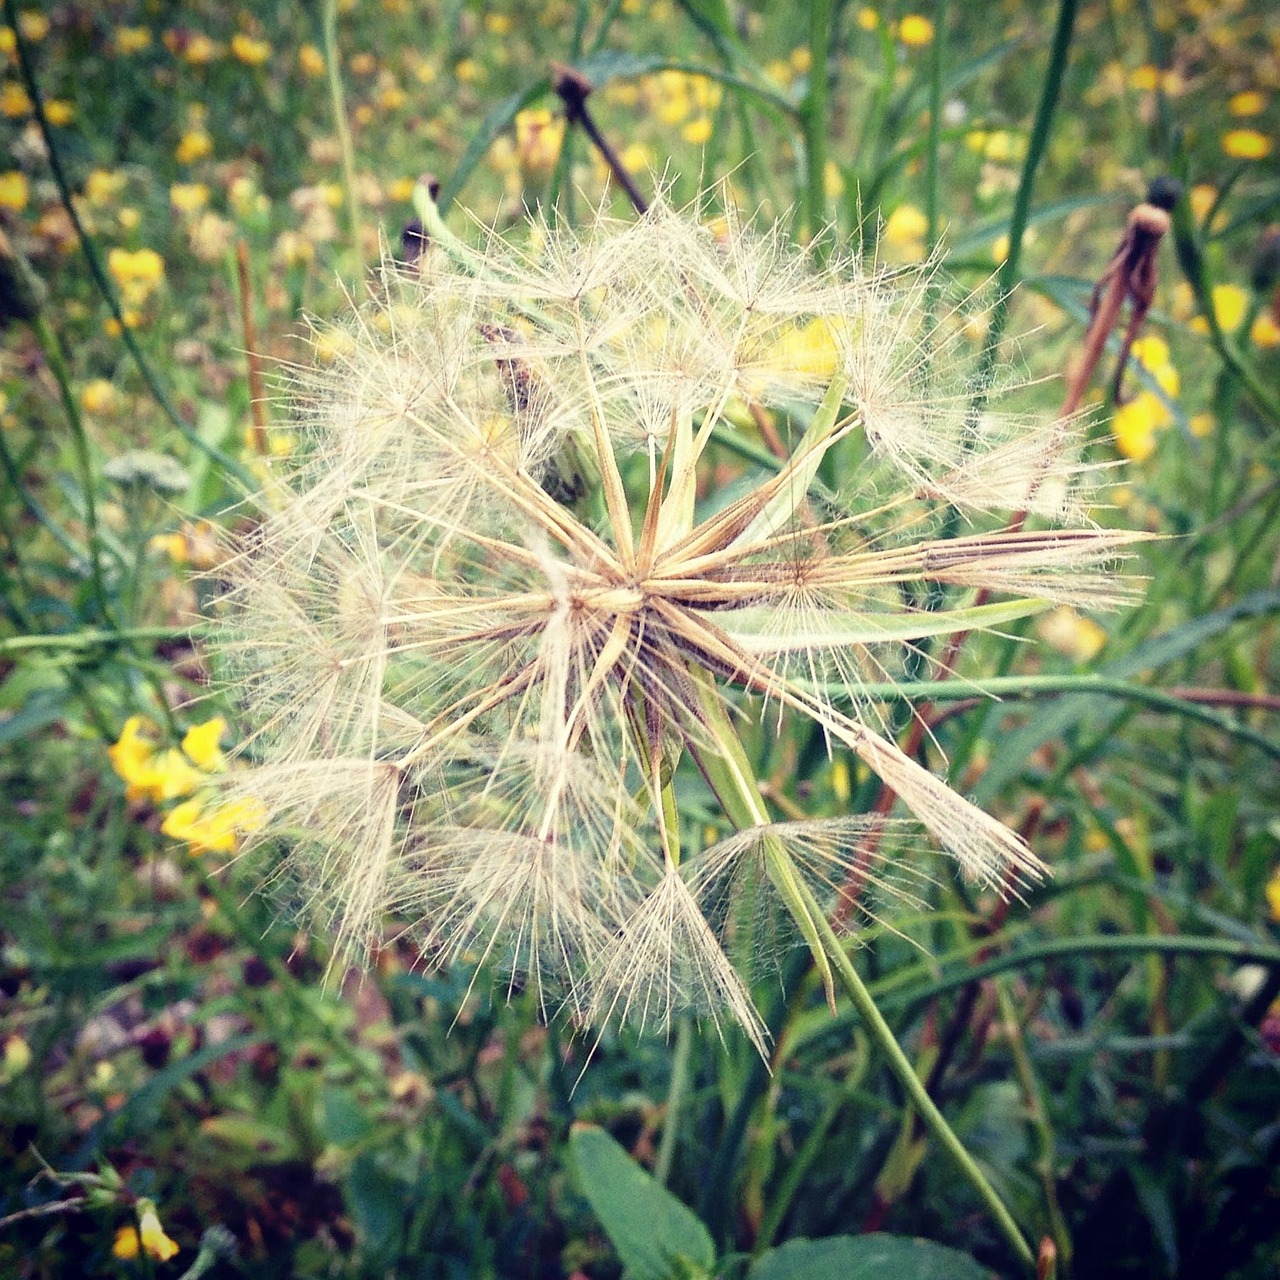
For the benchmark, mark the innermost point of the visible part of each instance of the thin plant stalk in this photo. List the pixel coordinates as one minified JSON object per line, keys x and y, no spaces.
{"x":57,"y":366}
{"x":936,"y":64}
{"x":162,"y":398}
{"x":338,"y":105}
{"x":815,"y":114}
{"x":676,"y":1093}
{"x":1008,"y":278}
{"x":731,"y":778}
{"x":936,"y":1123}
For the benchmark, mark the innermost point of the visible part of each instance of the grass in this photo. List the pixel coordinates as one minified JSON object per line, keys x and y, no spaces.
{"x":1104,"y":1054}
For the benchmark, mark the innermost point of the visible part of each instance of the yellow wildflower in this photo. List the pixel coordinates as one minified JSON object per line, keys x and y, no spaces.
{"x":194,"y":145}
{"x":469,"y":71}
{"x":252,"y":52}
{"x":801,"y":60}
{"x":392,"y":98}
{"x":155,"y":1244}
{"x":1202,"y":198}
{"x":13,"y":100}
{"x":295,"y":249}
{"x":1136,"y":423}
{"x":1265,"y":332}
{"x":59,"y":112}
{"x":539,"y":135}
{"x":187,"y":197}
{"x":214,"y":832}
{"x":1246,"y":144}
{"x":14,"y":191}
{"x":497,"y":24}
{"x":915,"y":30}
{"x":99,"y":398}
{"x":697,"y":131}
{"x":131,"y":39}
{"x":311,"y":60}
{"x":126,"y":1245}
{"x":401,"y":189}
{"x":363,"y":63}
{"x":1273,"y":897}
{"x":1251,"y":103}
{"x":17,"y":1057}
{"x":102,"y":186}
{"x":905,"y":226}
{"x":200,"y":50}
{"x":1151,"y":351}
{"x":1144,"y":78}
{"x":1071,"y":633}
{"x":868,"y":18}
{"x":33,"y":25}
{"x":201,"y":744}
{"x":1230,"y":305}
{"x":138,"y":273}
{"x":166,"y":776}
{"x":1202,"y":425}
{"x":636,"y":158}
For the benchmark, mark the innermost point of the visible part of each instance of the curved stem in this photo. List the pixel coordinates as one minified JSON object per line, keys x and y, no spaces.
{"x":882,"y":1036}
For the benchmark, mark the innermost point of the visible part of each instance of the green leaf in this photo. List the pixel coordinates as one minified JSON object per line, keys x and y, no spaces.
{"x":758,"y":631}
{"x":657,"y":1236}
{"x":500,"y":118}
{"x":869,"y":1257}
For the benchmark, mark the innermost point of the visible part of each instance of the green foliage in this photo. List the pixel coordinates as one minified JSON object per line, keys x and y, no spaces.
{"x":656,"y":1236}
{"x":1105,"y":1052}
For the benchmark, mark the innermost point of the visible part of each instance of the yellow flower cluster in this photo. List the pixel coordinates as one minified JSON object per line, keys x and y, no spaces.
{"x":677,"y":96}
{"x":539,"y":134}
{"x":161,"y":774}
{"x":137,"y":272}
{"x":148,"y":1237}
{"x":1138,"y":420}
{"x":14,"y":191}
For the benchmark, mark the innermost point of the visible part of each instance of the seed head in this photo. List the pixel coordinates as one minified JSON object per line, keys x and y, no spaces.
{"x":498,"y":594}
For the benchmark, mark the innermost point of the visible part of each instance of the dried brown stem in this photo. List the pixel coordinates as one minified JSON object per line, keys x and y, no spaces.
{"x":573,"y":89}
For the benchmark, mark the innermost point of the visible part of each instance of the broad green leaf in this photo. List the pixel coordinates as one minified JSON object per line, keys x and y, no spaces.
{"x":657,"y":1236}
{"x":870,"y":1257}
{"x":757,"y":629}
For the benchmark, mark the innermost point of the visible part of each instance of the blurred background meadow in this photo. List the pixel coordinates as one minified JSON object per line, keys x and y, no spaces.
{"x":190,"y":194}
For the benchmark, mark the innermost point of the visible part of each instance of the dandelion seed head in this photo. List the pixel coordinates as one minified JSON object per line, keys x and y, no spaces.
{"x":475,"y":629}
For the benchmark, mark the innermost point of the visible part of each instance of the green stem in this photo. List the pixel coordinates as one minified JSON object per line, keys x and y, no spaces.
{"x":1038,"y":1119}
{"x":815,"y":113}
{"x":882,"y":1035}
{"x":103,"y":281}
{"x":1025,"y":687}
{"x":1238,"y":952}
{"x":13,"y":474}
{"x":935,"y":120}
{"x":92,"y":639}
{"x":57,"y":366}
{"x":338,"y":105}
{"x":1038,"y":144}
{"x":676,"y":1092}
